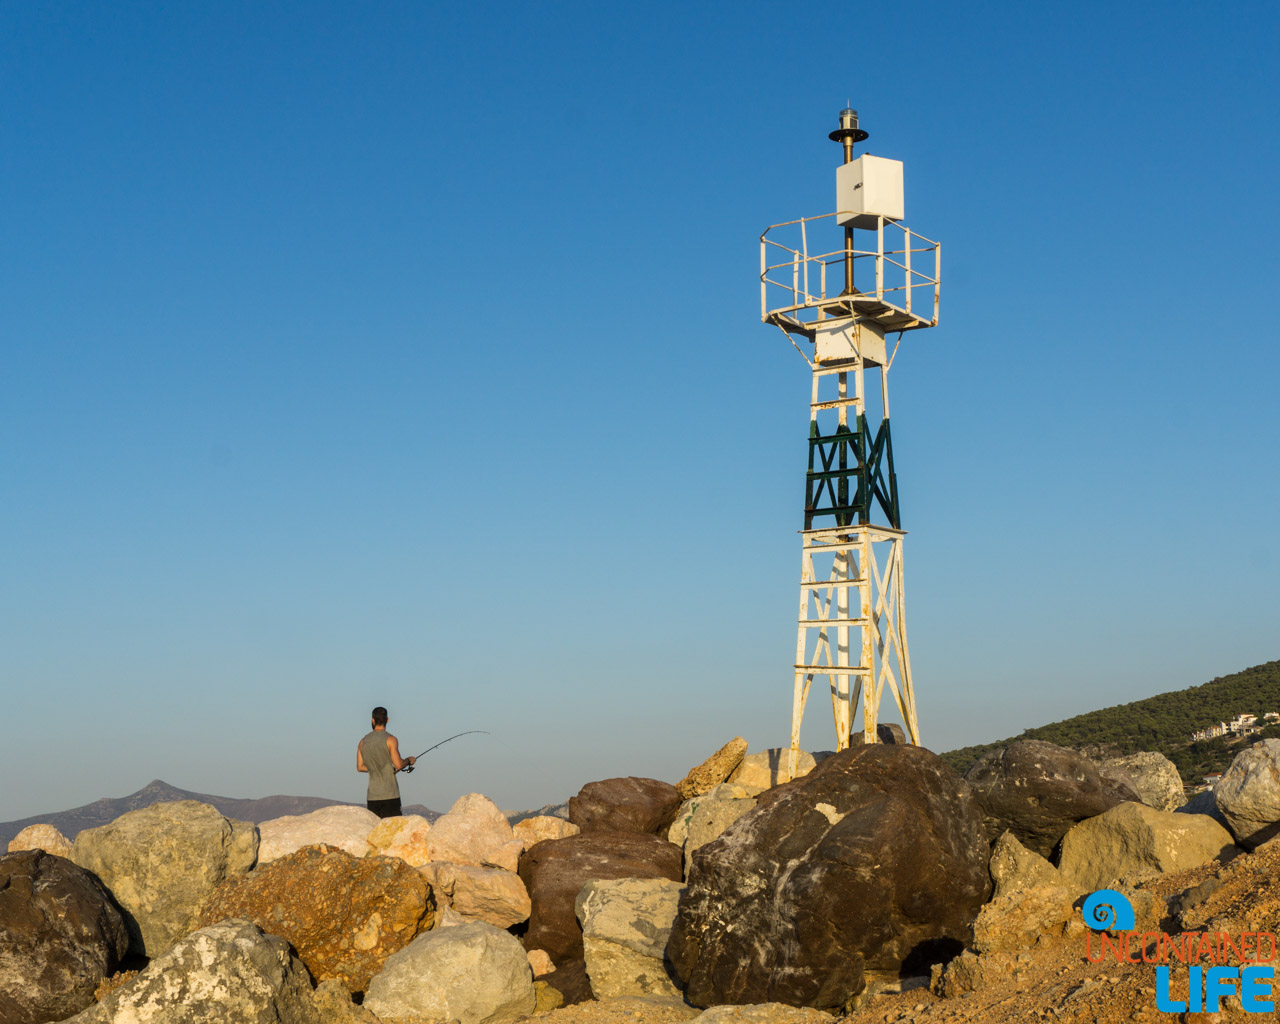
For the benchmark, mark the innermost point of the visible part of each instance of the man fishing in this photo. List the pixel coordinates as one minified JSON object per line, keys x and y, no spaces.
{"x":378,"y":753}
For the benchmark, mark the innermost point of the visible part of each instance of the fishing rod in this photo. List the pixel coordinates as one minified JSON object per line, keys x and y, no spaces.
{"x":408,"y":768}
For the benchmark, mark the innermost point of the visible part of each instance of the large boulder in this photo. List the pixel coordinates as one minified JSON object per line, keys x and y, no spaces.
{"x":625,"y":805}
{"x":344,"y":915}
{"x":555,"y":871}
{"x":1248,"y":794}
{"x":160,"y":861}
{"x":492,"y":895}
{"x":543,"y":826}
{"x":229,"y":972}
{"x":1153,"y":776}
{"x":404,"y":837}
{"x":625,"y":926}
{"x":61,"y":935}
{"x":714,"y":770}
{"x":768,"y":768}
{"x":474,"y":974}
{"x":474,"y":832}
{"x":41,"y":837}
{"x":870,"y":868}
{"x":343,"y":826}
{"x":1135,"y":841}
{"x":1038,"y":790}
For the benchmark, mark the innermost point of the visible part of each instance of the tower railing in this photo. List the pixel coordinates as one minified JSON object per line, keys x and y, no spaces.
{"x":802,"y":281}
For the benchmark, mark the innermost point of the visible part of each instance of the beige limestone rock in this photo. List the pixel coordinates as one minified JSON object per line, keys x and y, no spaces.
{"x":714,"y":770}
{"x":1248,"y":794}
{"x":543,"y":826}
{"x":710,"y":818}
{"x":1022,"y":918}
{"x":769,"y":767}
{"x":404,"y":837}
{"x":475,"y":832}
{"x":625,"y":926}
{"x":493,"y":895}
{"x":1014,"y":867}
{"x":345,"y":826}
{"x":41,"y":837}
{"x":475,"y":974}
{"x":541,"y":963}
{"x":1155,"y":778}
{"x":446,"y":916}
{"x":1132,"y":840}
{"x":971,"y":973}
{"x":159,"y":863}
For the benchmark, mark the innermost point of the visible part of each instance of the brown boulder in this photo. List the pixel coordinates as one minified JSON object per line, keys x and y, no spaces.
{"x":555,"y":871}
{"x":714,"y":770}
{"x":625,"y":805}
{"x":868,"y":869}
{"x":344,"y":915}
{"x":1038,"y":790}
{"x":61,"y":935}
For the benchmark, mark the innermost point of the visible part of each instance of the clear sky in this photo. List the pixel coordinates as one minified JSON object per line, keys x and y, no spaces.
{"x":409,"y":354}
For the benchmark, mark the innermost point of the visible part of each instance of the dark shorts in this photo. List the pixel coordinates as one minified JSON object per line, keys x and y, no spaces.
{"x":385,"y":808}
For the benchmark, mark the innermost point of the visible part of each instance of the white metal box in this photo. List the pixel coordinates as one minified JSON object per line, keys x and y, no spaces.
{"x":847,"y":339}
{"x":867,"y":188}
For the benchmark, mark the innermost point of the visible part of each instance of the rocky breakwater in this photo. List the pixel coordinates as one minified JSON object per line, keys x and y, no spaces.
{"x":344,"y":915}
{"x":61,"y":934}
{"x":870,"y":868}
{"x":160,"y":862}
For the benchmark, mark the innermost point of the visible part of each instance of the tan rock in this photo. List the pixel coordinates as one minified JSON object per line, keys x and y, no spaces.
{"x":343,"y":826}
{"x":492,"y":895}
{"x":541,"y":963}
{"x":548,"y":998}
{"x":762,"y":1013}
{"x":714,"y":770}
{"x":1132,"y":840}
{"x":543,"y":826}
{"x":160,"y":861}
{"x":475,"y":832}
{"x":626,"y":923}
{"x":971,"y":973}
{"x":769,"y":767}
{"x":1014,"y":867}
{"x":41,"y":837}
{"x":446,"y":916}
{"x":344,"y":915}
{"x":1021,"y":918}
{"x":404,"y":837}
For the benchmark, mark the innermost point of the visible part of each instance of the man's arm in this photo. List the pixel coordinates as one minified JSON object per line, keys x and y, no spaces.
{"x":360,"y":765}
{"x":393,"y":748}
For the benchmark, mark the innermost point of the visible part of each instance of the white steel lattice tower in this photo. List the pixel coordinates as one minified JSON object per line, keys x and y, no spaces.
{"x":838,"y":296}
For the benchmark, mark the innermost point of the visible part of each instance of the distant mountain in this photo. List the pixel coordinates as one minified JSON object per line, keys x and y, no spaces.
{"x":106,"y":810}
{"x":1163,"y":723}
{"x":100,"y":812}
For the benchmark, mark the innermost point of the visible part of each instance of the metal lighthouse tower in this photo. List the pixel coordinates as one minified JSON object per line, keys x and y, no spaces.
{"x":844,"y":287}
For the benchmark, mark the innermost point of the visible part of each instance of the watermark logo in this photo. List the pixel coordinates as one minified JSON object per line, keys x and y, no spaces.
{"x":1109,"y":911}
{"x":1113,"y":928}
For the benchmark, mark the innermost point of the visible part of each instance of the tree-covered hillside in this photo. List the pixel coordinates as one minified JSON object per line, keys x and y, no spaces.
{"x":1163,"y":723}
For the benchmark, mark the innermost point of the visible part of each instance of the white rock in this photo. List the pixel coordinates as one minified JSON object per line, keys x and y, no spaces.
{"x":626,"y":923}
{"x":474,"y":973}
{"x":341,"y":825}
{"x":1248,"y":794}
{"x":41,"y":837}
{"x":493,"y":895}
{"x":475,"y":832}
{"x":228,"y":972}
{"x":1154,"y":776}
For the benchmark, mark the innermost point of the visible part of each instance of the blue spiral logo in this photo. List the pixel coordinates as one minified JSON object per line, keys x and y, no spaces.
{"x":1108,"y":911}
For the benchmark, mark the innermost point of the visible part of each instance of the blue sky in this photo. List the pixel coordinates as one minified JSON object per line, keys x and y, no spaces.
{"x":410,"y":354}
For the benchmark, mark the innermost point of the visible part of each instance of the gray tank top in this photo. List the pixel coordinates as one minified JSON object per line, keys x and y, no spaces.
{"x":382,"y":773}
